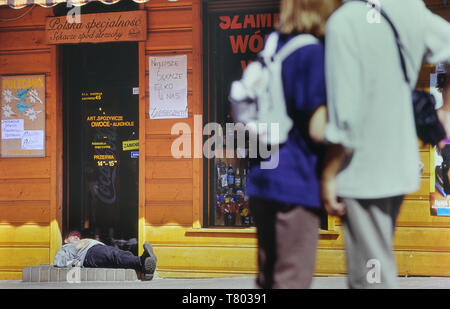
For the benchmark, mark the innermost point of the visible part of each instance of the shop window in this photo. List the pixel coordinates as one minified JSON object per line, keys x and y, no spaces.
{"x":234,"y":33}
{"x":232,"y":40}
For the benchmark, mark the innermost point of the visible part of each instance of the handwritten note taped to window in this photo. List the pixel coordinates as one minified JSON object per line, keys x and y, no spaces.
{"x":12,"y":128}
{"x":33,"y":140}
{"x":168,"y":87}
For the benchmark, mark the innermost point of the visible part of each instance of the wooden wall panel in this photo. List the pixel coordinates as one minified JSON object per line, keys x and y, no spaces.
{"x":169,"y":213}
{"x":170,"y":32}
{"x":14,"y":168}
{"x":416,"y":213}
{"x":24,"y":234}
{"x":17,"y":213}
{"x":23,"y":40}
{"x":28,"y":194}
{"x":169,"y":168}
{"x":25,"y":62}
{"x":181,"y":17}
{"x":169,"y":190}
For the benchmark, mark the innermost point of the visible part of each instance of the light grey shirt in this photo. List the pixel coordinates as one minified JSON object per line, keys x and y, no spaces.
{"x":369,"y":102}
{"x":73,"y":254}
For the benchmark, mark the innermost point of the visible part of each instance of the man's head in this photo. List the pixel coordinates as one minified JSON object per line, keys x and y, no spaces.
{"x":72,"y":236}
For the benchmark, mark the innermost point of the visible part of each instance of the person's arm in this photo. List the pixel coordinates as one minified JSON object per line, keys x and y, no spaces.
{"x":335,"y":157}
{"x":343,"y":98}
{"x":437,"y":38}
{"x":62,"y":258}
{"x":317,"y":124}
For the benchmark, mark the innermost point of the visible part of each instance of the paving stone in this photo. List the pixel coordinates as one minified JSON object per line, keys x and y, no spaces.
{"x":62,"y":274}
{"x":130,"y":275}
{"x":54,"y":274}
{"x":120,"y":275}
{"x":91,"y":274}
{"x":110,"y":275}
{"x":35,"y":273}
{"x":84,"y":276}
{"x":49,"y":273}
{"x":26,"y":274}
{"x":44,"y":274}
{"x":100,"y":274}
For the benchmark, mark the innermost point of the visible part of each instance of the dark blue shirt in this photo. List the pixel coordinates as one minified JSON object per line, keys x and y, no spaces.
{"x":296,"y":179}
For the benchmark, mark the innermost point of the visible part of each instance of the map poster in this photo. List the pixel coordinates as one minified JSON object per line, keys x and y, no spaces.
{"x":22,"y":115}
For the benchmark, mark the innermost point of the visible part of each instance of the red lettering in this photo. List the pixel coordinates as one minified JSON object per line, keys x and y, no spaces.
{"x":235,"y":24}
{"x":249,"y":19}
{"x":238,"y":44}
{"x":244,"y":64}
{"x":256,"y":42}
{"x":225,"y":22}
{"x":263,"y":21}
{"x":276,"y":17}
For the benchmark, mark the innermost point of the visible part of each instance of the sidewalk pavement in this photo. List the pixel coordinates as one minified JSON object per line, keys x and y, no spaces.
{"x":217,"y":283}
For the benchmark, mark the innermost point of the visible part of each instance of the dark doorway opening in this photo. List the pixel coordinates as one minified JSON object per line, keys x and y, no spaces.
{"x":101,"y":132}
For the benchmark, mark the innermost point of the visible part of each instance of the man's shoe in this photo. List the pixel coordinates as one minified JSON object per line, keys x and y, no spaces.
{"x":149,"y":261}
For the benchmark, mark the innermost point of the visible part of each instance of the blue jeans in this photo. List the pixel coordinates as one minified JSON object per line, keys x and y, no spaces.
{"x":101,"y":256}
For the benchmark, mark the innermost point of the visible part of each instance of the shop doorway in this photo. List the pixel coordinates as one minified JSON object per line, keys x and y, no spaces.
{"x":101,"y":150}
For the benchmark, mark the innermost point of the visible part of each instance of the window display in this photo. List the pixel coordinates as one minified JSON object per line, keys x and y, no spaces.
{"x":231,"y":207}
{"x":233,"y":40}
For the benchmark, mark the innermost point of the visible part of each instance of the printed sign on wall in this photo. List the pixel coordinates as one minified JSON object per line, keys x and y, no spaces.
{"x":168,"y":87}
{"x":440,"y":192}
{"x":22,"y":103}
{"x":98,"y":28}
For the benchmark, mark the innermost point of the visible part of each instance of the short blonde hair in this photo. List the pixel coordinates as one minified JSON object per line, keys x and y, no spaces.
{"x":306,"y":16}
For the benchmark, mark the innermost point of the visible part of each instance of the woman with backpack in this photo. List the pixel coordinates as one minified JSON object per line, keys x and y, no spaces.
{"x":285,"y":201}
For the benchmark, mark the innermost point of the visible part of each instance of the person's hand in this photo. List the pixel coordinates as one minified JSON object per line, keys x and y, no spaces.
{"x":329,"y":197}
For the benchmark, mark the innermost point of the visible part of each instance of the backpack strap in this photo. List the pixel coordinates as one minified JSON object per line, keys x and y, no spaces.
{"x":270,"y":50}
{"x":295,"y":43}
{"x":396,"y":35}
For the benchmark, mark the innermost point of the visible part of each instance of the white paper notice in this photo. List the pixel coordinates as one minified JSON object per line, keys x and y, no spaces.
{"x":435,"y":92}
{"x":168,"y":87}
{"x":33,"y":139}
{"x":12,"y":128}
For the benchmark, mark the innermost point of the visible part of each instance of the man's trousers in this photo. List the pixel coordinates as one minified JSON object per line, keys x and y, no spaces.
{"x":368,"y":234}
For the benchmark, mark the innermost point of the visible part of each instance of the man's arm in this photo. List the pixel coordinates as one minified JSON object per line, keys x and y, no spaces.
{"x":343,"y":99}
{"x":61,"y":258}
{"x":334,"y":160}
{"x":65,"y":256}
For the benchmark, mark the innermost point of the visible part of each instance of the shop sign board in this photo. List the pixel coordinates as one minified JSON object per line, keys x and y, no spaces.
{"x":97,"y":28}
{"x":22,"y":107}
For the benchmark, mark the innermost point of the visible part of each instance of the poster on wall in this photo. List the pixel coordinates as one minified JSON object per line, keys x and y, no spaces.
{"x":440,"y":196}
{"x":22,"y":103}
{"x":168,"y":87}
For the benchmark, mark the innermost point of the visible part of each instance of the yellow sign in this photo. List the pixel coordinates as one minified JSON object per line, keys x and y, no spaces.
{"x":130,"y":145}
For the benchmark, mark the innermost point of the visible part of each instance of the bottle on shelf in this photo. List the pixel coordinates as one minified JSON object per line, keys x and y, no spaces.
{"x":230,"y":178}
{"x":223,"y":177}
{"x":237,"y":179}
{"x":218,"y":177}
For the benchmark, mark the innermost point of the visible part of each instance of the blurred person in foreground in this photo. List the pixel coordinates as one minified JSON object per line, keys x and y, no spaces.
{"x":372,"y":158}
{"x":285,"y":201}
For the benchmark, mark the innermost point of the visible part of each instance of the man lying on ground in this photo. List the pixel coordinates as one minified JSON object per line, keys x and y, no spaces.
{"x":92,"y":253}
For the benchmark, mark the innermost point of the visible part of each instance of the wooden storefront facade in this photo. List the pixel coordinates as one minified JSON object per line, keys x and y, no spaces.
{"x":173,"y":211}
